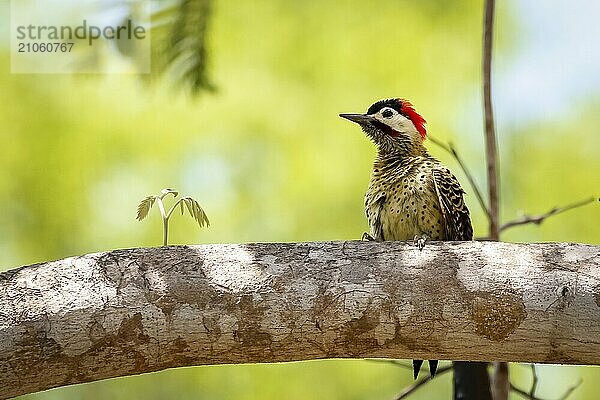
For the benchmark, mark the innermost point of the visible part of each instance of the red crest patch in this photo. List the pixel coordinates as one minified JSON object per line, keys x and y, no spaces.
{"x":409,"y":112}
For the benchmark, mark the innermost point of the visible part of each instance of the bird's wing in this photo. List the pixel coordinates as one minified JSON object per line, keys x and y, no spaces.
{"x":457,"y":222}
{"x":374,"y":210}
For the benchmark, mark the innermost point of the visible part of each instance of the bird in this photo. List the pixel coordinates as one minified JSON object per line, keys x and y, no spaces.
{"x":411,"y":195}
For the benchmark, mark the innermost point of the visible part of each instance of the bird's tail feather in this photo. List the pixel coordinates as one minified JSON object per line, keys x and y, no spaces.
{"x":417,"y":367}
{"x":433,"y":364}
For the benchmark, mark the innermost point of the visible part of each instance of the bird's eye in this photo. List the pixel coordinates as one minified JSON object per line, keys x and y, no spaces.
{"x":387,"y":113}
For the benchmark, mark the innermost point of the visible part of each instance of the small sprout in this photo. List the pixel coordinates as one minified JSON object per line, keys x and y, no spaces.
{"x":188,"y":203}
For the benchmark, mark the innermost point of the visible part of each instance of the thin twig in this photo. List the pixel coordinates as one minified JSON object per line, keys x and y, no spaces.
{"x":534,"y":381}
{"x":570,"y":390}
{"x":410,"y":389}
{"x":449,"y":147}
{"x":538,"y":219}
{"x":490,"y":131}
{"x":523,"y":393}
{"x":529,"y":396}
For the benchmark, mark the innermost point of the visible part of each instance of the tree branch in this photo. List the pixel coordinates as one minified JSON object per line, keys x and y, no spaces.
{"x":491,"y":150}
{"x":523,"y":393}
{"x":538,"y":219}
{"x":570,"y":390}
{"x":530,"y":396}
{"x":534,"y":381}
{"x":128,"y":312}
{"x":500,"y":382}
{"x":422,"y":381}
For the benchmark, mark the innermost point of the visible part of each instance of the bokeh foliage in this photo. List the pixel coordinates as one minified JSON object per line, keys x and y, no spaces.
{"x":269,"y":160}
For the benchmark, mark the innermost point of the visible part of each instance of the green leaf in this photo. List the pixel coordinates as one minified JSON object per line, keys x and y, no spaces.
{"x":204,"y":220}
{"x":196,"y":212}
{"x":193,"y":206}
{"x":180,"y":28}
{"x":188,"y":204}
{"x":181,"y":206}
{"x":199,"y":214}
{"x":144,"y":207}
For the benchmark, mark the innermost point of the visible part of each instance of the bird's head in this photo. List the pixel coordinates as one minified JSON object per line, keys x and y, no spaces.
{"x":393,"y":125}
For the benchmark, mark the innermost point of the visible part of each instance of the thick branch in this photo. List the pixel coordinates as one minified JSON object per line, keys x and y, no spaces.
{"x":127,"y":312}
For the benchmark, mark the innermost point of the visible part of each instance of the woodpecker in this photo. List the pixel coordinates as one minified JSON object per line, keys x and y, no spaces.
{"x":411,"y":195}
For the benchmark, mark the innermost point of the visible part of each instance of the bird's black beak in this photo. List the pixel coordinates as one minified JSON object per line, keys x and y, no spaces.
{"x":358,"y":118}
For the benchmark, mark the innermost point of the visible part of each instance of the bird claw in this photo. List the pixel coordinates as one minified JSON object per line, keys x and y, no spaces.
{"x":367,"y":237}
{"x":420,"y":241}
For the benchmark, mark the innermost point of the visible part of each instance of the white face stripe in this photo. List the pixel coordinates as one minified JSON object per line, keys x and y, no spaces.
{"x":398,"y":122}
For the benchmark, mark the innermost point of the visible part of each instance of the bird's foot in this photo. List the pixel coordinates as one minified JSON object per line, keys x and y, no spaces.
{"x":368,"y":237}
{"x":420,"y":241}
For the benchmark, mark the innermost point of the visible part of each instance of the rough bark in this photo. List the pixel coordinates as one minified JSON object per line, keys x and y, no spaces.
{"x":127,"y":312}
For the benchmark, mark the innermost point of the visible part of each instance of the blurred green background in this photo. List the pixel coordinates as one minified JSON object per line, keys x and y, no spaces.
{"x":269,"y":160}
